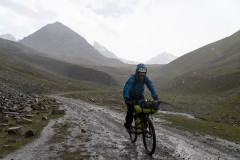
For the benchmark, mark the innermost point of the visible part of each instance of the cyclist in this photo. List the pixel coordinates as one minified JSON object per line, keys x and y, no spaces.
{"x":133,"y":91}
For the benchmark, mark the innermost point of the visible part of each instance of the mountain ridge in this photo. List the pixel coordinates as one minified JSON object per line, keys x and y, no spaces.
{"x":202,"y":58}
{"x":61,"y":42}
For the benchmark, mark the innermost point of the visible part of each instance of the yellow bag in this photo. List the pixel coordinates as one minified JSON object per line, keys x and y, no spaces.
{"x":149,"y":107}
{"x":139,"y":109}
{"x":138,"y":125}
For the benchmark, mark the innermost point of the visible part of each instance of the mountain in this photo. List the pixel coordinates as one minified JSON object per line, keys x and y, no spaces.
{"x":162,"y":58}
{"x":63,"y":43}
{"x":128,"y":61}
{"x":206,"y":81}
{"x":18,"y":57}
{"x":104,"y":51}
{"x":8,"y":37}
{"x":219,"y":54}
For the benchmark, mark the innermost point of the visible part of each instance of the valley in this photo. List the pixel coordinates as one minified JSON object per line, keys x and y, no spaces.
{"x":204,"y":83}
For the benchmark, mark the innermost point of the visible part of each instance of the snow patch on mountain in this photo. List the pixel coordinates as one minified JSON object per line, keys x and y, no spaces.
{"x":163,"y":58}
{"x":104,"y":51}
{"x":8,"y":37}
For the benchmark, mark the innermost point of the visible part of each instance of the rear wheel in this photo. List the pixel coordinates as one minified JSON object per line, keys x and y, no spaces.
{"x":149,"y":137}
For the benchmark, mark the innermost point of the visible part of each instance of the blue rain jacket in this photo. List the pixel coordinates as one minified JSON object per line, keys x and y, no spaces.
{"x":134,"y":87}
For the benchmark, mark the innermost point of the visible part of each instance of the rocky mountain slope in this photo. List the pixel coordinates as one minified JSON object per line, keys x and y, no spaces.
{"x":61,"y":42}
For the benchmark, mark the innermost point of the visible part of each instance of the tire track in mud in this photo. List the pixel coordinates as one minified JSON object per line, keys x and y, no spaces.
{"x":109,"y":139}
{"x":171,"y":143}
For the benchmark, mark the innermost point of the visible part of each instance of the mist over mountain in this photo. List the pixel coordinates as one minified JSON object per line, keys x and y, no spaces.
{"x":63,"y":43}
{"x":104,"y":51}
{"x":163,"y":58}
{"x":8,"y":37}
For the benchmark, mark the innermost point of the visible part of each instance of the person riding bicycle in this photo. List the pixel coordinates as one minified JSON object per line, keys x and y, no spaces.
{"x":133,"y":91}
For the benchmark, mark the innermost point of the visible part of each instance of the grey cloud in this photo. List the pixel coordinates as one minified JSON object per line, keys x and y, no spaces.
{"x":112,"y":9}
{"x":19,"y":8}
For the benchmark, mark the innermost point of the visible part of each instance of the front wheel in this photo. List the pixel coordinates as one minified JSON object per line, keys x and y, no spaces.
{"x":133,"y":135}
{"x":149,"y":137}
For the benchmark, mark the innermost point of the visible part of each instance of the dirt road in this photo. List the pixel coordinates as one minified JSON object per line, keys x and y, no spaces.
{"x":95,"y":132}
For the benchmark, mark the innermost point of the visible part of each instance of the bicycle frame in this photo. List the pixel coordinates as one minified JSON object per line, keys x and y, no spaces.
{"x":147,"y":130}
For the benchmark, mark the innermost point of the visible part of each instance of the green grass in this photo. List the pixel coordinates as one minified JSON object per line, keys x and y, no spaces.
{"x":108,"y":96}
{"x":188,"y":102}
{"x":209,"y":105}
{"x":220,"y":130}
{"x":226,"y":110}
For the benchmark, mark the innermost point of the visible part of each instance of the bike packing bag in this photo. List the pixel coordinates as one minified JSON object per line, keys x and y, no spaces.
{"x":149,"y":107}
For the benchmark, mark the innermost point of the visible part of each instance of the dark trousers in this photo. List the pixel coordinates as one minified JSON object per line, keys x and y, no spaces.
{"x":129,"y":116}
{"x":130,"y":110}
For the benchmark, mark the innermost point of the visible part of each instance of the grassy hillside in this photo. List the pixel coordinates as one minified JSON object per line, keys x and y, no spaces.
{"x":18,"y":52}
{"x":202,"y":58}
{"x":207,"y":86}
{"x":20,"y":69}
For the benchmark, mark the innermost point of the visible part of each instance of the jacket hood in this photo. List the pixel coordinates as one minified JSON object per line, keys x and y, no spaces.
{"x":141,"y":65}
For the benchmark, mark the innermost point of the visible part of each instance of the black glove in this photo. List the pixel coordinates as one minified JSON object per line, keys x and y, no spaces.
{"x":128,"y":101}
{"x":155,"y":98}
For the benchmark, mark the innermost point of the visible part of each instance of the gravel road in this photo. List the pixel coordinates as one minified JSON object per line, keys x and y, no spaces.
{"x":95,"y":132}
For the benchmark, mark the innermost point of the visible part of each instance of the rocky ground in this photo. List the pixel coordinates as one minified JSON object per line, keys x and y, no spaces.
{"x":95,"y":132}
{"x":18,"y":100}
{"x":16,"y":95}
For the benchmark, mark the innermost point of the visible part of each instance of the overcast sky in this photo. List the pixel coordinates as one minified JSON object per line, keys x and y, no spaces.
{"x":133,"y":29}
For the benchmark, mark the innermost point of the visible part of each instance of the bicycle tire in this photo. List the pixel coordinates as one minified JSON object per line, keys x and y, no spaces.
{"x":149,"y":135}
{"x":133,"y":136}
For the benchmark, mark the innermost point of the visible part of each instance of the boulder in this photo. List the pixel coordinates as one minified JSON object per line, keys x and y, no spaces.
{"x":30,"y":133}
{"x":36,"y":107}
{"x":23,"y":121}
{"x":3,"y":119}
{"x":44,"y":118}
{"x":58,"y":111}
{"x":15,"y":130}
{"x":27,"y":109}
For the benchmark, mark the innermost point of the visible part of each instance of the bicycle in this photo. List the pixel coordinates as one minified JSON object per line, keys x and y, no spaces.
{"x":143,"y":124}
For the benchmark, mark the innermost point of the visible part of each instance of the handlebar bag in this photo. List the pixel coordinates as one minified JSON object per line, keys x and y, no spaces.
{"x":149,"y":107}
